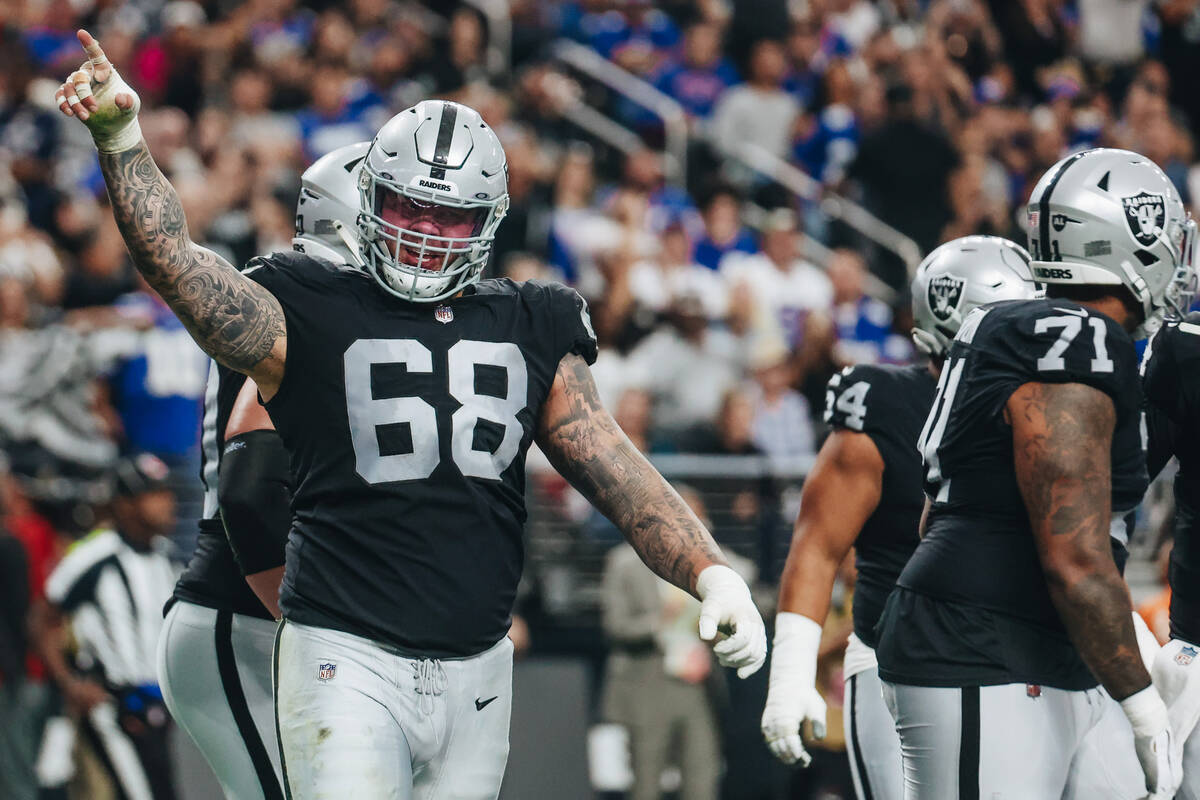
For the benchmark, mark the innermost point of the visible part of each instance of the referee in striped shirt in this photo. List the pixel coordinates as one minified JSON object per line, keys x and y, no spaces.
{"x":108,"y":592}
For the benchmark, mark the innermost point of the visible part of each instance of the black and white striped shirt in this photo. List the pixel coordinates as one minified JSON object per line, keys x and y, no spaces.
{"x":114,"y":596}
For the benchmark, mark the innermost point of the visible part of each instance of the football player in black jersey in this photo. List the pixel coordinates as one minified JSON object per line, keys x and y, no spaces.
{"x":865,"y":492}
{"x":215,"y":650}
{"x":1171,"y":383}
{"x":1012,"y":608}
{"x":407,"y":396}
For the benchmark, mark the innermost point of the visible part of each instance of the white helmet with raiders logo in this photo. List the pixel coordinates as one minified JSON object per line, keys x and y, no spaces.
{"x":432,"y":192}
{"x":1113,"y":218}
{"x":328,"y":206}
{"x":959,"y":276}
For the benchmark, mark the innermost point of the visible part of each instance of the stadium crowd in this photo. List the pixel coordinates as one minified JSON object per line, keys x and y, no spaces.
{"x":722,"y":302}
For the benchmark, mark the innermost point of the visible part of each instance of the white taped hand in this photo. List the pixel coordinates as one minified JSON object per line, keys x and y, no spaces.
{"x":792,"y":697}
{"x":100,"y":98}
{"x":1158,"y":749}
{"x":726,"y":604}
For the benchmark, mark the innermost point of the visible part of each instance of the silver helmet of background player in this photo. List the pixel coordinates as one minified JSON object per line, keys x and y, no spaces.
{"x":959,"y":276}
{"x":328,"y":206}
{"x":437,"y":153}
{"x":1113,"y":218}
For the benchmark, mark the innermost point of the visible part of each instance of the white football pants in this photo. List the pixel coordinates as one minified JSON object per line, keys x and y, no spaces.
{"x":871,"y":739}
{"x":214,"y":668}
{"x":1013,"y":742}
{"x":358,"y":720}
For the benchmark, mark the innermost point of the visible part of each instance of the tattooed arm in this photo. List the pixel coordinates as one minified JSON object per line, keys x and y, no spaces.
{"x":1062,"y":440}
{"x":584,"y":443}
{"x":236,"y":321}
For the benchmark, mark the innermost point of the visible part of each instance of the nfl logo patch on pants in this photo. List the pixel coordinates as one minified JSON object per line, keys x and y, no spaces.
{"x":325,"y":672}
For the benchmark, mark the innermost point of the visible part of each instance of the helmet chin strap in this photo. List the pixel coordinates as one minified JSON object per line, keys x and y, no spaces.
{"x":350,"y":241}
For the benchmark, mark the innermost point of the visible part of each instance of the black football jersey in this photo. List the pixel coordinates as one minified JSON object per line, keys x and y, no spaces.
{"x":972,"y":606}
{"x":408,"y":425}
{"x":888,"y":404}
{"x":1172,"y":386}
{"x":212,"y":577}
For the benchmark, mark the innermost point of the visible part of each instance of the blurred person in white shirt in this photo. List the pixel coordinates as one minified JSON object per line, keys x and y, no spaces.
{"x":657,"y":282}
{"x":786,"y":288}
{"x":782,"y":424}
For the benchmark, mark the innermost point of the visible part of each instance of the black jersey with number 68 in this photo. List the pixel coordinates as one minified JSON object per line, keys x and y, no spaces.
{"x":888,"y":404}
{"x":972,"y":607}
{"x":1172,"y":386}
{"x":408,"y":425}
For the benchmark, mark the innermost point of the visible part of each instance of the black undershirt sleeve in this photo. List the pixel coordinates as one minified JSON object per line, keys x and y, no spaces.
{"x":255,"y":495}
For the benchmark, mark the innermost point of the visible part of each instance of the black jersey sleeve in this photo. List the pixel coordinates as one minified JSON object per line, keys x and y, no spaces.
{"x":570,"y":322}
{"x":851,"y":400}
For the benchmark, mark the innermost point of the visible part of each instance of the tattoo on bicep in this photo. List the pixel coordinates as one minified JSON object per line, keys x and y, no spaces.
{"x":1066,"y":457}
{"x":234,"y":319}
{"x":587,"y":447}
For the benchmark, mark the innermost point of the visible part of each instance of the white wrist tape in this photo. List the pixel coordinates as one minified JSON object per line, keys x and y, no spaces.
{"x":1146,"y":711}
{"x":797,"y":642}
{"x":121,"y":140}
{"x":718,"y":577}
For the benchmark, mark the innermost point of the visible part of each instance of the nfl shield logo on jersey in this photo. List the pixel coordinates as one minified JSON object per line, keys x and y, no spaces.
{"x":1185,"y":656}
{"x":325,"y":672}
{"x":945,"y":293}
{"x":443,"y":314}
{"x":1145,"y":213}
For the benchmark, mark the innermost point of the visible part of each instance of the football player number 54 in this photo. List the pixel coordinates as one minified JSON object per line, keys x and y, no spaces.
{"x":368,"y":413}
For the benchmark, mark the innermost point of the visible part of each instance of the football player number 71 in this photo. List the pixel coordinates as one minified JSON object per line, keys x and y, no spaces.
{"x":367,"y":413}
{"x":1069,"y":326}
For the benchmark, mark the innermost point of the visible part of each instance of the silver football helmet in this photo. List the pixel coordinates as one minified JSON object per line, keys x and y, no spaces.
{"x":959,"y":276}
{"x":1113,"y":218}
{"x":327,"y":210}
{"x":432,"y":192}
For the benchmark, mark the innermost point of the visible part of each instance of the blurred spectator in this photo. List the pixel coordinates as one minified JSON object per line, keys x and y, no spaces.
{"x":785,"y":287}
{"x":723,"y":229}
{"x":331,"y":120}
{"x":18,"y":737}
{"x":657,"y":283}
{"x":1110,"y":31}
{"x":1035,"y":35}
{"x":829,"y":140}
{"x":29,"y":137}
{"x":464,"y":59}
{"x":730,"y":432}
{"x":782,"y":420}
{"x":635,"y":34}
{"x":658,"y":678}
{"x":757,"y":113}
{"x":863,"y":324}
{"x":686,"y":366}
{"x":701,"y":74}
{"x":109,"y":592}
{"x":908,"y":193}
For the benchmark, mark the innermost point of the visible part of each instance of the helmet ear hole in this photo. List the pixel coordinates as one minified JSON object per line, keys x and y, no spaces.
{"x":1146,"y":257}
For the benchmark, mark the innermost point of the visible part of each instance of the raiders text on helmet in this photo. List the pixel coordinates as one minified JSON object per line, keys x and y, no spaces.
{"x":328,"y":206}
{"x":959,"y":276}
{"x":435,"y":156}
{"x":1112,"y":217}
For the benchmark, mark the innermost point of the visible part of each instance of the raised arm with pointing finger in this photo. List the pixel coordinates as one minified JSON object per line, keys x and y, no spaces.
{"x":236,"y":321}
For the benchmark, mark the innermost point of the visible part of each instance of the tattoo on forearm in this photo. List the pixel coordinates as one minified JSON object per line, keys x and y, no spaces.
{"x":1065,"y":475}
{"x":586,"y":446}
{"x":234,"y":319}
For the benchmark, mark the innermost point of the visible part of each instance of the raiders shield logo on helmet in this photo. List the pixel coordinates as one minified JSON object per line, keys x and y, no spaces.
{"x":945,"y":294}
{"x":1145,"y":213}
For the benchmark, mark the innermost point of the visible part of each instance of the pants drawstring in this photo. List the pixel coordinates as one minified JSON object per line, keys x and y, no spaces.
{"x":431,"y":682}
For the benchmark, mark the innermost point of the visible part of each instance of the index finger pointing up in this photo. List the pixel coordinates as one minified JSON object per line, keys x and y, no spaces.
{"x":92,"y":47}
